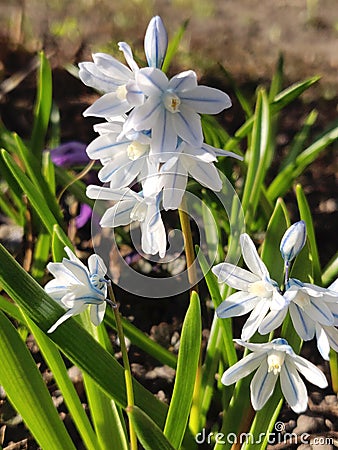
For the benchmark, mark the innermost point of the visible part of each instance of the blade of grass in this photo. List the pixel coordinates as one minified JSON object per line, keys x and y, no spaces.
{"x":27,"y":391}
{"x":187,"y":363}
{"x":173,"y":45}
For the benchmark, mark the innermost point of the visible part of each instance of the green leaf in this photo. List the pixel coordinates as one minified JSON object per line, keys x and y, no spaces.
{"x":277,"y":79}
{"x":72,"y":339}
{"x":42,"y":107}
{"x":305,"y":214}
{"x":41,"y":255}
{"x":245,"y":104}
{"x":286,"y":177}
{"x":330,"y":273}
{"x":278,"y":224}
{"x":27,"y":391}
{"x":257,"y":157}
{"x":187,"y":364}
{"x":148,"y":433}
{"x":173,"y":46}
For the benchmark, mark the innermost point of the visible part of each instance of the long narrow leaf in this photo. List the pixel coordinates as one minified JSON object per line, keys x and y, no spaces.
{"x":173,"y":46}
{"x":72,"y":339}
{"x":188,"y":356}
{"x":27,"y":391}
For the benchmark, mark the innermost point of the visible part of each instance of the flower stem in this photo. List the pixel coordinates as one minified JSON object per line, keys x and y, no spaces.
{"x":188,"y":246}
{"x":126,"y":365}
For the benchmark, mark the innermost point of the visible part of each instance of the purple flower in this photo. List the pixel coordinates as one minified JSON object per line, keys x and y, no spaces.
{"x":70,"y":154}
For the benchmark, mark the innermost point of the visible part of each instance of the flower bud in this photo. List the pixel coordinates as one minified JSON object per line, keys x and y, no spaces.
{"x":293,"y":241}
{"x":155,"y":42}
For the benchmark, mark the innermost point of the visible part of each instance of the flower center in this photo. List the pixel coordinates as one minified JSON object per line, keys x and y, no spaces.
{"x":261,"y":289}
{"x":97,"y":281}
{"x":302,"y":299}
{"x":171,"y":102}
{"x":121,"y":92}
{"x":136,"y":149}
{"x":275,"y":362}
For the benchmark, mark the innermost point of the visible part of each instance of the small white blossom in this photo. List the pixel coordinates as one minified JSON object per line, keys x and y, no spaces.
{"x":76,"y":287}
{"x":272,"y":360}
{"x":256,"y":291}
{"x":132,"y":207}
{"x":293,"y":241}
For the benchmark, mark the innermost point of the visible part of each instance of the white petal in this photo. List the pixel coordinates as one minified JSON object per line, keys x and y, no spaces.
{"x":278,"y":301}
{"x":109,"y":105}
{"x":234,"y":276}
{"x":154,"y":238}
{"x":105,"y":146}
{"x":128,"y":54}
{"x":304,"y":325}
{"x":206,"y":100}
{"x":79,"y":271}
{"x":134,"y":95}
{"x":151,"y":81}
{"x":188,"y":126}
{"x":118,"y":215}
{"x":63,"y":276}
{"x":254,"y":320}
{"x":242,"y":368}
{"x":97,"y":313}
{"x":206,"y":174}
{"x":293,"y":241}
{"x":184,"y":81}
{"x":174,"y":183}
{"x":91,"y":76}
{"x":221,"y":152}
{"x":198,"y":153}
{"x":323,"y":344}
{"x":164,"y":137}
{"x":71,"y":312}
{"x":251,"y":257}
{"x":293,"y":387}
{"x":332,"y":336}
{"x":146,"y":116}
{"x":262,"y":386}
{"x":309,"y":371}
{"x":272,"y":321}
{"x":264,"y":347}
{"x":104,"y":193}
{"x":96,"y":265}
{"x":320,"y":312}
{"x":111,"y":67}
{"x":155,"y":42}
{"x":237,"y":304}
{"x":121,"y":173}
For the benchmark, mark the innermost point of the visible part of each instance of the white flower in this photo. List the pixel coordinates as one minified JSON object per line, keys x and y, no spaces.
{"x":123,"y":160}
{"x":272,"y":360}
{"x":76,"y":287}
{"x":311,"y":310}
{"x":171,"y":109}
{"x":133,"y":207}
{"x":257,"y":292}
{"x":196,"y":162}
{"x":293,"y":241}
{"x":155,"y":42}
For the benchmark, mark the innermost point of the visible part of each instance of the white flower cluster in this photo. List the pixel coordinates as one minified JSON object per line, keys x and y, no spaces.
{"x":152,"y":135}
{"x":313,"y":311}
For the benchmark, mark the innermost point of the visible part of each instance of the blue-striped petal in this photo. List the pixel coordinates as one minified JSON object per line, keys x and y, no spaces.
{"x":155,"y":42}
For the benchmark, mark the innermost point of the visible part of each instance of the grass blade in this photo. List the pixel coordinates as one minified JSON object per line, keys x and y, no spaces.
{"x":188,"y":356}
{"x":27,"y":391}
{"x":173,"y":45}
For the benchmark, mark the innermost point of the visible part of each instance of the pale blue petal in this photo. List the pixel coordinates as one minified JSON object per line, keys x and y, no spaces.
{"x":105,"y":193}
{"x":251,"y":257}
{"x":134,"y":95}
{"x":174,"y":182}
{"x":319,"y":312}
{"x":62,"y":275}
{"x":126,"y":174}
{"x":309,"y":371}
{"x":293,"y":387}
{"x":111,"y":67}
{"x":105,"y":147}
{"x":205,"y":100}
{"x":187,"y":124}
{"x":109,"y":105}
{"x":97,"y":313}
{"x":262,"y":386}
{"x":164,"y":137}
{"x":206,"y":174}
{"x":154,"y":239}
{"x":234,"y":276}
{"x":293,"y":241}
{"x":91,"y":76}
{"x":146,"y":116}
{"x":79,"y":271}
{"x":323,"y":344}
{"x":237,"y":304}
{"x":151,"y":81}
{"x":155,"y":42}
{"x":198,"y":153}
{"x":332,"y":335}
{"x":272,"y":321}
{"x":242,"y":368}
{"x":254,"y":320}
{"x":183,"y":82}
{"x":304,"y":325}
{"x":71,"y":312}
{"x":128,"y":54}
{"x":97,"y":266}
{"x":118,"y":215}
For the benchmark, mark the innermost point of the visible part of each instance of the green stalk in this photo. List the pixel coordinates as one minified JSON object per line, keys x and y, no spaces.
{"x":126,"y":365}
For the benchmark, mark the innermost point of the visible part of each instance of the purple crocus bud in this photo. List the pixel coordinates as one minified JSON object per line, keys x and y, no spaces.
{"x":293,"y":241}
{"x":84,"y":215}
{"x":70,"y":154}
